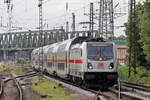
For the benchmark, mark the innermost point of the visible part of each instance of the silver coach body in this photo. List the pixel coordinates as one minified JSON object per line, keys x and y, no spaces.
{"x":69,"y":58}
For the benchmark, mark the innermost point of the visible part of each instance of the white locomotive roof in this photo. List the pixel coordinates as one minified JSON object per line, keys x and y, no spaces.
{"x":76,"y":46}
{"x":61,"y":46}
{"x":35,"y":51}
{"x":45,"y":48}
{"x":58,"y":45}
{"x":51,"y":47}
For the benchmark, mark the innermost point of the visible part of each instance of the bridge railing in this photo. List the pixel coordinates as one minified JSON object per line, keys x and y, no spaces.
{"x":33,"y":39}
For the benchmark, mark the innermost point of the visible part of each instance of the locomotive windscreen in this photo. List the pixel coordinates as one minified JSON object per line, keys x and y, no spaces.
{"x":100,"y":52}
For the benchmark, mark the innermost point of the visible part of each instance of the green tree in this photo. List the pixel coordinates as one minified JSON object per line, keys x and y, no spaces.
{"x":145,"y":31}
{"x":134,"y":43}
{"x":121,"y":37}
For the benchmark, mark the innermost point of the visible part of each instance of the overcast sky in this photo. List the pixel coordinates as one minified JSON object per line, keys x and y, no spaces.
{"x":25,"y":13}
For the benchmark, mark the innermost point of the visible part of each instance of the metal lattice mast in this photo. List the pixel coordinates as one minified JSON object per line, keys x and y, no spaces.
{"x":41,"y":55}
{"x":106,"y":19}
{"x":73,"y":22}
{"x":100,"y":19}
{"x":9,"y":11}
{"x":135,"y":36}
{"x":40,"y":17}
{"x":91,"y":25}
{"x":132,"y":38}
{"x":9,"y":23}
{"x":111,"y":19}
{"x":73,"y":26}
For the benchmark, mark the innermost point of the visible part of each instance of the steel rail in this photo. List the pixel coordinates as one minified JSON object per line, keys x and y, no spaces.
{"x":107,"y":95}
{"x":18,"y":86}
{"x":26,"y":75}
{"x":97,"y":93}
{"x":1,"y":88}
{"x":20,"y":90}
{"x":136,"y":86}
{"x":124,"y":95}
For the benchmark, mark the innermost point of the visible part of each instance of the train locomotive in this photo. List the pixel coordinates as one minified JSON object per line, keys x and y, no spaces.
{"x":92,"y":62}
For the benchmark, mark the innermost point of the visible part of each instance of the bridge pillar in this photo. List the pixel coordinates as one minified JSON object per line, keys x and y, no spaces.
{"x":5,"y":57}
{"x":1,"y":56}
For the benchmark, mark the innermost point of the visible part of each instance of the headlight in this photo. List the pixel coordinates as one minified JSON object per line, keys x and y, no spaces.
{"x":111,"y":66}
{"x":90,"y":66}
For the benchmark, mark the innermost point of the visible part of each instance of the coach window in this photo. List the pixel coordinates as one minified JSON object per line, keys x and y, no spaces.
{"x":81,"y":52}
{"x":46,"y":59}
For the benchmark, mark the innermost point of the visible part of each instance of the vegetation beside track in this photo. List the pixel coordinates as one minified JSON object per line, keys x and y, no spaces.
{"x":6,"y":69}
{"x":18,"y":69}
{"x":2,"y":68}
{"x":50,"y":89}
{"x":142,"y":76}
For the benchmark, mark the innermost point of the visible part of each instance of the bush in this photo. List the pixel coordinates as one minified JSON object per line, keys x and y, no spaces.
{"x":142,"y":76}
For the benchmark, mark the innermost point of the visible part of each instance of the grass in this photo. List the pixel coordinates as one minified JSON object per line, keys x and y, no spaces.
{"x":142,"y":76}
{"x":46,"y":87}
{"x":17,"y":69}
{"x":4,"y":70}
{"x":74,"y":95}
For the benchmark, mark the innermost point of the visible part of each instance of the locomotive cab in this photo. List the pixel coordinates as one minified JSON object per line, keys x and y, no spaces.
{"x":100,"y":64}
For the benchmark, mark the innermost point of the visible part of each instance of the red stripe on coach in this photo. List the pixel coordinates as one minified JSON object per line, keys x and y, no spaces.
{"x":71,"y":61}
{"x":79,"y":61}
{"x":49,"y":60}
{"x":62,"y":60}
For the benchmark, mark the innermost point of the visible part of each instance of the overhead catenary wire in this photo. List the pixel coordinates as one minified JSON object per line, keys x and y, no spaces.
{"x":76,"y":10}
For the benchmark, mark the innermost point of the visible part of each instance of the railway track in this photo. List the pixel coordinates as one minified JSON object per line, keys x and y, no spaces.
{"x":1,"y":88}
{"x":19,"y":89}
{"x":136,"y":86}
{"x":127,"y":95}
{"x":108,"y":95}
{"x":18,"y":85}
{"x":27,"y":75}
{"x":15,"y":89}
{"x":111,"y":94}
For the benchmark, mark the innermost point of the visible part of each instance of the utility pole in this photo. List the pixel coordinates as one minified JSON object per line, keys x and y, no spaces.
{"x":100,"y":20}
{"x":41,"y":55}
{"x":67,"y":26}
{"x":67,"y":22}
{"x":1,"y":22}
{"x":132,"y":39}
{"x":9,"y":4}
{"x":73,"y":25}
{"x":9,"y":12}
{"x":111,"y":19}
{"x":91,"y":25}
{"x":40,"y":16}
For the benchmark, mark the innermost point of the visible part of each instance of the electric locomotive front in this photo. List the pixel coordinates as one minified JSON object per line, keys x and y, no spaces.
{"x":100,"y":64}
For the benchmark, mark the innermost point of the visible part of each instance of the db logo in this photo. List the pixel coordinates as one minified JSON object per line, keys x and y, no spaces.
{"x":100,"y":64}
